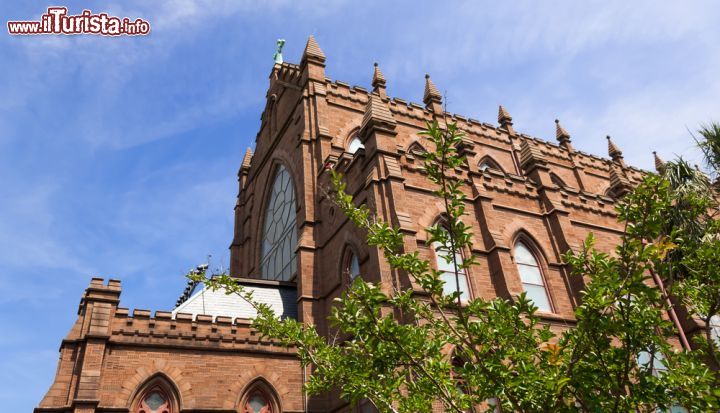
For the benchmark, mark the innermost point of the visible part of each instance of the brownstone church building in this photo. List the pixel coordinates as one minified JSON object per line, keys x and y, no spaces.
{"x":529,"y":201}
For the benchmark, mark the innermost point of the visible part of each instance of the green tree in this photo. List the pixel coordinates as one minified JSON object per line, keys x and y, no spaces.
{"x":407,"y":349}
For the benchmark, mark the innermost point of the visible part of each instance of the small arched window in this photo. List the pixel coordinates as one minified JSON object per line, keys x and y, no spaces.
{"x":278,"y":261}
{"x":531,"y":276}
{"x":155,"y":401}
{"x":156,"y":396}
{"x":355,"y":144}
{"x":258,"y":402}
{"x":488,"y":163}
{"x":350,"y":267}
{"x":417,"y":149}
{"x":260,"y":398}
{"x":446,"y":264}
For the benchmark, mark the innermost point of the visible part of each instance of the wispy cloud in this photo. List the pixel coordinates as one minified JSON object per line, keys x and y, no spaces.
{"x":27,"y":238}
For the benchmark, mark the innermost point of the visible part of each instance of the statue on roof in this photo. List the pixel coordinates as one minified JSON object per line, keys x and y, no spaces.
{"x":278,"y":52}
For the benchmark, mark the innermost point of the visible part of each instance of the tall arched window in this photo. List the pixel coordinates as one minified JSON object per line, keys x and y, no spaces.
{"x":531,"y":276}
{"x":278,"y":260}
{"x":445,"y":264}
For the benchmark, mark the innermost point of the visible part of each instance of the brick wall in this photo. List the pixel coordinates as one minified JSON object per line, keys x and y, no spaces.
{"x":207,"y":364}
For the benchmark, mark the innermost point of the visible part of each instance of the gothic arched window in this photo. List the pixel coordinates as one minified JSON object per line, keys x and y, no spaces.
{"x":155,"y":401}
{"x":531,"y":276}
{"x":351,"y":266}
{"x":417,"y":149}
{"x":155,"y":396}
{"x":446,"y":265}
{"x":258,"y":402}
{"x":278,"y":258}
{"x":260,"y":398}
{"x":488,"y":163}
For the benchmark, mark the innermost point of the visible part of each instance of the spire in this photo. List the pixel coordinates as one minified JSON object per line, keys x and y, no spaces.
{"x":378,"y":82}
{"x":378,"y":77}
{"x":503,"y":115}
{"x":312,"y":64}
{"x":313,"y":51}
{"x":505,"y":120}
{"x":432,"y":97}
{"x":246,"y":159}
{"x":562,"y":135}
{"x":614,"y":152}
{"x":377,"y":114}
{"x":659,"y":164}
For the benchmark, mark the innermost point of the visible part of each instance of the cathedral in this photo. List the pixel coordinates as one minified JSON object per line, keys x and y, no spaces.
{"x":528,"y":201}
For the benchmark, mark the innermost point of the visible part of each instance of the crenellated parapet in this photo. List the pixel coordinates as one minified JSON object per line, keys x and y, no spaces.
{"x":185,"y":330}
{"x":100,"y":317}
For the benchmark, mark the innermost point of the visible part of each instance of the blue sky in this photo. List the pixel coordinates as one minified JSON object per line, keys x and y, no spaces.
{"x":118,"y":156}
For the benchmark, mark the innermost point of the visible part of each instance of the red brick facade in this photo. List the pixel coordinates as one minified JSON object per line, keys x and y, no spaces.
{"x":547,"y":195}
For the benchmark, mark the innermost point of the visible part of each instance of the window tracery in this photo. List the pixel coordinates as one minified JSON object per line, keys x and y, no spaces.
{"x":279,"y":240}
{"x":447,"y":264}
{"x":259,"y":398}
{"x":258,"y":403}
{"x":531,"y":276}
{"x":156,"y":397}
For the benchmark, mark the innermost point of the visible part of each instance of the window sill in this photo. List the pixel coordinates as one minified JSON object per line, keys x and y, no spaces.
{"x":554,"y":316}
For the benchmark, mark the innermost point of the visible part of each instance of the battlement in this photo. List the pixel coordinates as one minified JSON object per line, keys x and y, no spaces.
{"x":471,"y":126}
{"x":139,"y":326}
{"x":184,"y":329}
{"x":287,"y":72}
{"x":100,"y":292}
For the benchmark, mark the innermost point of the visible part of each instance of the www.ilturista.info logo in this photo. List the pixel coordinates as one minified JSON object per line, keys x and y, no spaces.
{"x":57,"y":21}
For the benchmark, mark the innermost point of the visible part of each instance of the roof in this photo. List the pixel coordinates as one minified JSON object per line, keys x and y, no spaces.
{"x":280,"y":297}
